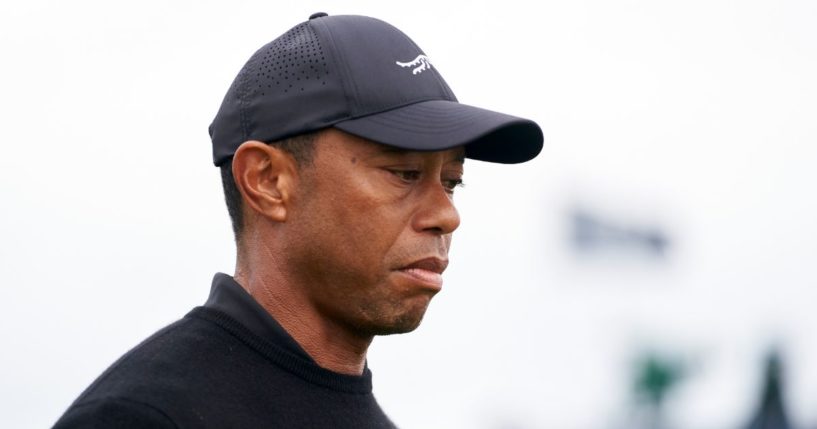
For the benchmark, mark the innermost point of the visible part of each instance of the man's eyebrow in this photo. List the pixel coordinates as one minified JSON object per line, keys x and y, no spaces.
{"x":393,"y":149}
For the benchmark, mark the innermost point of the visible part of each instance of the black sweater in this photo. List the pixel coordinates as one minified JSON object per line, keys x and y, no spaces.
{"x":210,"y":370}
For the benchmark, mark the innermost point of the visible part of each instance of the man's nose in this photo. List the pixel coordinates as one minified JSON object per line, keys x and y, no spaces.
{"x":437,"y":213}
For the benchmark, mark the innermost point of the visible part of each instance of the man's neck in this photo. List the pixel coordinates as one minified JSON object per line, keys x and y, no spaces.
{"x":331,"y":345}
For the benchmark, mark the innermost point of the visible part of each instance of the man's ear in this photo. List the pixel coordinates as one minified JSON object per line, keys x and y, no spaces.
{"x":265,"y":176}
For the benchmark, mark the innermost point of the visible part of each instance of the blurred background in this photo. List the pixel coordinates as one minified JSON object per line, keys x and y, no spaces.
{"x":654,"y":267}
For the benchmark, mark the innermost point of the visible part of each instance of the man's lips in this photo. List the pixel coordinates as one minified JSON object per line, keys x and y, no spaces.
{"x":433,"y":264}
{"x":428,"y":271}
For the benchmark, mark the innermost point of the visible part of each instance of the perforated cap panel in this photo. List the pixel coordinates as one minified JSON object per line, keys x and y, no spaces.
{"x":287,"y":87}
{"x":293,"y":62}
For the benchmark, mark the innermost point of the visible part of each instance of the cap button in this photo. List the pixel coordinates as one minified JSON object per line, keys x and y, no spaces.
{"x":318,"y":15}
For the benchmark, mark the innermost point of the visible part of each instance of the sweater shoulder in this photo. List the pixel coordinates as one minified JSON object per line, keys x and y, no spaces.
{"x":162,"y":365}
{"x":115,"y":413}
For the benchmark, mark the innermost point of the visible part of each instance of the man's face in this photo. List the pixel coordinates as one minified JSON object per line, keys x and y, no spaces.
{"x":371,"y":227}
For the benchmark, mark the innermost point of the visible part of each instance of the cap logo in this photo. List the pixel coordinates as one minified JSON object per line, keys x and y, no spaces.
{"x":420,"y":64}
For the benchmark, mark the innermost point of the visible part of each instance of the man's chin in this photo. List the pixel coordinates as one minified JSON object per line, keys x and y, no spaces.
{"x":397,"y":329}
{"x":401,"y":324}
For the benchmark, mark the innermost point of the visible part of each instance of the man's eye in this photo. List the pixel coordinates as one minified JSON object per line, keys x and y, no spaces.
{"x":407,"y":175}
{"x":451,"y":184}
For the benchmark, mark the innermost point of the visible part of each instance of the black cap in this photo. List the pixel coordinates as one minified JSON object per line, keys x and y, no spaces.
{"x":363,"y":76}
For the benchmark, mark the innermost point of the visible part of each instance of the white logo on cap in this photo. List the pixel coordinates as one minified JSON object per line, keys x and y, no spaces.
{"x":420,"y":63}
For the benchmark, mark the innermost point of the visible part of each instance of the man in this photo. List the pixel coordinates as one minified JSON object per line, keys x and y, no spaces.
{"x":340,"y":147}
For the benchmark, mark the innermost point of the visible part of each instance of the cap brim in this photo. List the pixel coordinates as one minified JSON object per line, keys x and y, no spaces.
{"x":439,"y":125}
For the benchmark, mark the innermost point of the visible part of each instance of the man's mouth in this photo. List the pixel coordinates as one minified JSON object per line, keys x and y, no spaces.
{"x":427,"y":271}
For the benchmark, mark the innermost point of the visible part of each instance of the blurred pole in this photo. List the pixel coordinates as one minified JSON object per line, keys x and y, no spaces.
{"x":771,"y":412}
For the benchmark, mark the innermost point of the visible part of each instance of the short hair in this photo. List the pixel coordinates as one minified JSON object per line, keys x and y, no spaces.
{"x":301,"y":147}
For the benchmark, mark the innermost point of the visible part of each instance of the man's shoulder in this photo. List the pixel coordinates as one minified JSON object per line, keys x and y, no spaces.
{"x":114,"y":412}
{"x":173,"y":371}
{"x":173,"y":358}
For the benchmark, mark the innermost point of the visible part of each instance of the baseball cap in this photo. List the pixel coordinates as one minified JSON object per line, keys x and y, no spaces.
{"x":365,"y":77}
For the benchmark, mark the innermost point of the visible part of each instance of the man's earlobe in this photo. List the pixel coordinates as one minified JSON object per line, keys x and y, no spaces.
{"x":265,"y":176}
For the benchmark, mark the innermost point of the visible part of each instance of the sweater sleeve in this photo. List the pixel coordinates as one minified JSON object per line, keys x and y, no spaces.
{"x":114,"y":413}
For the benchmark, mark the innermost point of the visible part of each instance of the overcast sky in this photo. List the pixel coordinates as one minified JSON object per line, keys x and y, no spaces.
{"x":695,"y":119}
